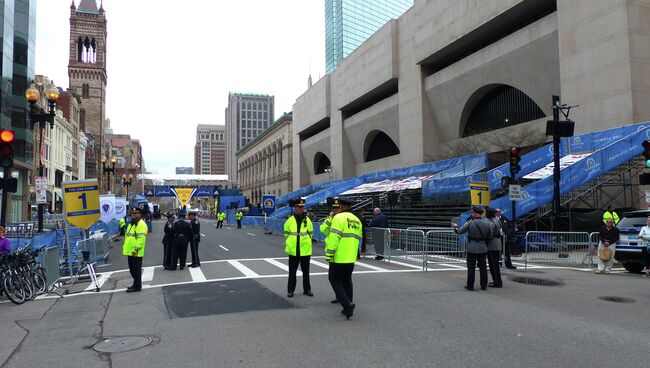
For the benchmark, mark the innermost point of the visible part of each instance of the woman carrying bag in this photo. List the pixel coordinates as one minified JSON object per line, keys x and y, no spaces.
{"x":607,"y":247}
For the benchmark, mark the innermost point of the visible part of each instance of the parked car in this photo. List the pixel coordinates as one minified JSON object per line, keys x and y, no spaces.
{"x":631,"y":251}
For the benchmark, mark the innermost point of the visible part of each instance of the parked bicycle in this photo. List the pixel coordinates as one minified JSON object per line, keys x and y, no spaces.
{"x":22,"y":277}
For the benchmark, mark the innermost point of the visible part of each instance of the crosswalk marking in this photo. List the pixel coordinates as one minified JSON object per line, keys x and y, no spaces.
{"x":320,"y":264}
{"x":197,"y":274}
{"x":147,"y":274}
{"x":453,"y":266}
{"x":406,"y":264}
{"x":280,"y":265}
{"x":250,"y":234}
{"x":224,"y":248}
{"x":363,"y":264}
{"x":243,"y":269}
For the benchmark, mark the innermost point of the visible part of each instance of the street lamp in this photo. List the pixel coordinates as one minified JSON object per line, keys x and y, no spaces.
{"x":330,"y":172}
{"x":39,"y":116}
{"x":127,"y":183}
{"x":108,"y":170}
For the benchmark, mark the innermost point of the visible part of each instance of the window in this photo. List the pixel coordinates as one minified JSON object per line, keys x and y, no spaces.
{"x":85,"y":90}
{"x":82,"y":119}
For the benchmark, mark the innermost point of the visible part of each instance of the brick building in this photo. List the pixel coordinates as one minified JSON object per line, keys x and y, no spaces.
{"x":210,"y":150}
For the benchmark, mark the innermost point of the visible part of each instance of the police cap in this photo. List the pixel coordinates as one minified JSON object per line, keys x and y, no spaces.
{"x":170,"y":214}
{"x":345,"y":201}
{"x":478,"y":210}
{"x":334,"y":202}
{"x":136,"y":210}
{"x":300,"y":202}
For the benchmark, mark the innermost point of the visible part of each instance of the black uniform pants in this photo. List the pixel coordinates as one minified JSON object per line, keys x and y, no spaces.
{"x":340,"y":276}
{"x":167,"y":253}
{"x":239,"y":224}
{"x":506,"y":252}
{"x":472,"y":260}
{"x":179,"y":254}
{"x":293,"y":269}
{"x":219,"y":224}
{"x":194,"y":248}
{"x":135,"y":269}
{"x":495,"y":271}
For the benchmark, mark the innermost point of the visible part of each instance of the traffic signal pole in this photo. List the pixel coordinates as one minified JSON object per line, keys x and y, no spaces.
{"x":555,"y":219}
{"x":5,"y":194}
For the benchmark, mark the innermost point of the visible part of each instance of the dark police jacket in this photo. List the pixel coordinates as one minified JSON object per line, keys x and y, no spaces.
{"x":196,"y":230}
{"x":182,"y":232}
{"x":169,"y":233}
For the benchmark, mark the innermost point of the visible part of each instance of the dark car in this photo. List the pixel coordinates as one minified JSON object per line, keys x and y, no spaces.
{"x":631,"y":251}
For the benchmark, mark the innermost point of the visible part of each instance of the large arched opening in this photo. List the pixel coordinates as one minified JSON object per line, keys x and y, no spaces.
{"x":321,"y":163}
{"x":379,"y":145}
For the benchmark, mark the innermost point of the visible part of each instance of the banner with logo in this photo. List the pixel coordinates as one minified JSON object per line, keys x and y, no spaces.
{"x":184,"y":195}
{"x":268,"y":204}
{"x":107,"y":208}
{"x":120,"y":207}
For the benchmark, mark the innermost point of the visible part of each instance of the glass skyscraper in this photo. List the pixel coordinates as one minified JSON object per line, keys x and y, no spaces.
{"x":348,"y":23}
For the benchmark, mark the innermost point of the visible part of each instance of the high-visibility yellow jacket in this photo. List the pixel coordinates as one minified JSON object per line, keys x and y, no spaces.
{"x":135,"y":239}
{"x":611,"y":215}
{"x":342,"y":243}
{"x":221,"y":216}
{"x":122,"y":222}
{"x":239,"y":215}
{"x":292,"y":232}
{"x":325,"y":226}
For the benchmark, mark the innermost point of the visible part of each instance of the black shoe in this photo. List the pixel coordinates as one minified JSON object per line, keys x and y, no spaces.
{"x":133,"y":290}
{"x":308,"y":293}
{"x":492,"y":285}
{"x":469,"y":288}
{"x":289,"y":295}
{"x":511,"y":267}
{"x":379,"y":258}
{"x":349,"y":312}
{"x":194,"y":266}
{"x":483,"y":287}
{"x":334,"y":301}
{"x":181,"y":268}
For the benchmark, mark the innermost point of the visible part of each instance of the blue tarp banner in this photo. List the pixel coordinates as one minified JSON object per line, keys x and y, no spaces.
{"x":225,"y":202}
{"x":268,"y":204}
{"x":203,"y":192}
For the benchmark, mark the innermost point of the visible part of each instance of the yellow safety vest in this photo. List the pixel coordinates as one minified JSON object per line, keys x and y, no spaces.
{"x":122,"y":222}
{"x":291,"y":234}
{"x":221,"y":216}
{"x":611,"y":215}
{"x":239,"y":215}
{"x":135,"y":239}
{"x":325,"y":226}
{"x":342,"y":243}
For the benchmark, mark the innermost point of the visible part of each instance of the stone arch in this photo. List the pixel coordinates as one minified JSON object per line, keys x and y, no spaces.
{"x":321,"y":162}
{"x":379,"y":145}
{"x":496,"y":106}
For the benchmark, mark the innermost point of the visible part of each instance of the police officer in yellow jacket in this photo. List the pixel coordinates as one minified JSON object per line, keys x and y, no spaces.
{"x":298,"y":232}
{"x":135,"y":239}
{"x":342,"y":245}
{"x":122,"y":224}
{"x":611,"y":214}
{"x":327,"y":223}
{"x":238,"y":216}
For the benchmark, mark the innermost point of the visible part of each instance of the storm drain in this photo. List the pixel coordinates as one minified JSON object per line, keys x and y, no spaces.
{"x":122,"y":344}
{"x":536,"y":281}
{"x":616,"y":299}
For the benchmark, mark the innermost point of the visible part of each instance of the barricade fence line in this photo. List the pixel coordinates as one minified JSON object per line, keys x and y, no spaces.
{"x":560,"y":247}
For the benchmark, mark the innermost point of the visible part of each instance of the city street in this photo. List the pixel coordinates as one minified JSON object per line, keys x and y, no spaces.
{"x":235,"y":313}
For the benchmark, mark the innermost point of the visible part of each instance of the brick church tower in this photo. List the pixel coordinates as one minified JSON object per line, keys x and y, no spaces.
{"x":87,"y":74}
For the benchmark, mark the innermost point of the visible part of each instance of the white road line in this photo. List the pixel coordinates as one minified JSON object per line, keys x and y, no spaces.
{"x":250,"y":234}
{"x":103,"y":277}
{"x":243,"y":269}
{"x":406,"y":264}
{"x":453,"y":266}
{"x":280,"y":265}
{"x":224,"y":248}
{"x":371,"y":266}
{"x":203,"y":235}
{"x":147,"y":274}
{"x":197,"y":274}
{"x":322,"y":265}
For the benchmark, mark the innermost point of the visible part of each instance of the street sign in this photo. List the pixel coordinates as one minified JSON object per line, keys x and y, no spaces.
{"x":514,"y":192}
{"x":41,"y":189}
{"x":81,"y":202}
{"x":184,"y":195}
{"x":479,"y":193}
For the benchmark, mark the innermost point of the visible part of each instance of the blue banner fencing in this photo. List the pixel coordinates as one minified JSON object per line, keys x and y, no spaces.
{"x":321,"y":196}
{"x":226,"y":202}
{"x":459,"y":184}
{"x":591,"y":167}
{"x":203,"y":192}
{"x":589,"y":142}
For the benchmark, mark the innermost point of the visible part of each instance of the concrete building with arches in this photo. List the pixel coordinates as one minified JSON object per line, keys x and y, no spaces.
{"x":454,"y":77}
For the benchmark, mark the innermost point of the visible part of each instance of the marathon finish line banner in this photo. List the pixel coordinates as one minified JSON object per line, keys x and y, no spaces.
{"x":184,"y":195}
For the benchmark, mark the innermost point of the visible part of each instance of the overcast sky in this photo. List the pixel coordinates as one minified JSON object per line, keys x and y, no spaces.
{"x":171,"y":63}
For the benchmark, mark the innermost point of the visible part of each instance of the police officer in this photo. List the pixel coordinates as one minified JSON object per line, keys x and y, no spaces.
{"x":220,"y":217}
{"x":611,"y":214}
{"x":196,"y":238}
{"x":494,"y":248}
{"x":182,"y":237}
{"x":479,"y":233}
{"x":327,"y":224}
{"x":135,"y":239}
{"x":239,"y":216}
{"x":298,"y":232}
{"x":122,"y":224}
{"x":342,"y":246}
{"x":168,"y":241}
{"x":509,"y":231}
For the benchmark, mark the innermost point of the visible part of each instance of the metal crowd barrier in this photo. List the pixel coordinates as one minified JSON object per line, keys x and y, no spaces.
{"x":50,"y":261}
{"x":561,"y":247}
{"x":404,"y":244}
{"x":444,"y":246}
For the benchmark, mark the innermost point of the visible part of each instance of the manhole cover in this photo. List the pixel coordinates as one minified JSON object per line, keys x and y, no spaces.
{"x":536,"y":281}
{"x":616,"y":299}
{"x":122,"y":344}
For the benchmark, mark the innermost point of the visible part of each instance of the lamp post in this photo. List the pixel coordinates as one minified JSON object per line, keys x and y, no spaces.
{"x":108,"y":170}
{"x":127,"y":183}
{"x":330,"y":172}
{"x":41,"y":117}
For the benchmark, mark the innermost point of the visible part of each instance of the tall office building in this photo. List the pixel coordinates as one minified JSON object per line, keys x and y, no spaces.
{"x":210,"y":150}
{"x":184,"y":170}
{"x":348,"y":23}
{"x":18,"y":31}
{"x":247,"y":115}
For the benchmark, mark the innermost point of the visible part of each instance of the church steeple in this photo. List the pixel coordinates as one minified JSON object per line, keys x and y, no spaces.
{"x":88,"y":6}
{"x":73,"y":6}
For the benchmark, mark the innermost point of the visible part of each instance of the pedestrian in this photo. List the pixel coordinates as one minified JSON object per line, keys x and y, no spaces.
{"x":182,"y":237}
{"x":644,"y":234}
{"x":361,"y":214}
{"x":341,"y":249}
{"x":298,"y":233}
{"x":168,"y":241}
{"x":195,"y":240}
{"x":311,"y":216}
{"x":479,"y":234}
{"x":608,"y":237}
{"x":494,"y":248}
{"x":135,"y":239}
{"x":325,"y":230}
{"x":122,"y":224}
{"x":509,"y":231}
{"x":238,"y":216}
{"x":379,"y":223}
{"x":5,"y":246}
{"x":610,"y":214}
{"x":220,"y":217}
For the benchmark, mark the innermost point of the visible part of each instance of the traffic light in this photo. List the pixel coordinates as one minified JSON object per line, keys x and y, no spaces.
{"x":646,"y":153}
{"x":9,"y":185}
{"x":6,"y":148}
{"x":514,"y":160}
